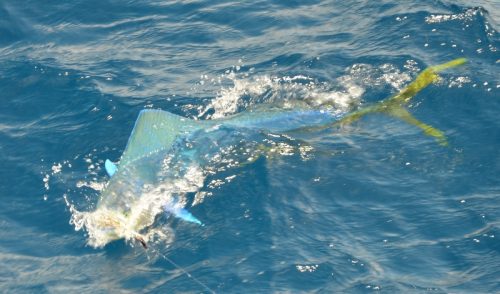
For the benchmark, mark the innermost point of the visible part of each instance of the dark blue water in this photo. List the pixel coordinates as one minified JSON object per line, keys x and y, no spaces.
{"x":375,"y":206}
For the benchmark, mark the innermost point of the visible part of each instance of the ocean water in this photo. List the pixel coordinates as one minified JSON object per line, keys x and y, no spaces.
{"x":376,"y":206}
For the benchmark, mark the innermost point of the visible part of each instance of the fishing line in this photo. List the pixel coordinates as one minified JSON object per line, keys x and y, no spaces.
{"x":187,"y":273}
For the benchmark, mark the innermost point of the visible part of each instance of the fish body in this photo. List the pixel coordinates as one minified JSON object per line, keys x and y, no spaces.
{"x":136,"y":195}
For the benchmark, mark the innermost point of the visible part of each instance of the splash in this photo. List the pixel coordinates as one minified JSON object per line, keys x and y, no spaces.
{"x":307,"y":268}
{"x":467,"y":15}
{"x":55,"y":170}
{"x":243,"y":90}
{"x":142,"y":212}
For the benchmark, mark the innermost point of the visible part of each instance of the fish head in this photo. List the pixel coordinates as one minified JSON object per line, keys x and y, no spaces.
{"x":124,"y":208}
{"x":103,"y":226}
{"x":107,"y":225}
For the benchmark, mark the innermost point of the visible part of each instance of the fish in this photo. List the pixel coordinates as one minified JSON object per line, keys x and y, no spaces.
{"x":134,"y":196}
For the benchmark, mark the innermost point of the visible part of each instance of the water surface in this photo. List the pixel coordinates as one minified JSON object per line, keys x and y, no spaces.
{"x":376,"y":206}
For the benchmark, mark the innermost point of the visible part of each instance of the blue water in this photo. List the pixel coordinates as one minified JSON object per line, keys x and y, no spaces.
{"x":373,"y":207}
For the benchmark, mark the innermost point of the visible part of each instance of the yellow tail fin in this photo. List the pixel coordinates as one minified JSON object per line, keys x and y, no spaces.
{"x":394,"y":105}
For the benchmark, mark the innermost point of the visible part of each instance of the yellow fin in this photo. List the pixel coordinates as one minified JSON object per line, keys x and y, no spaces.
{"x":394,"y":105}
{"x":426,"y":77}
{"x":403,"y":114}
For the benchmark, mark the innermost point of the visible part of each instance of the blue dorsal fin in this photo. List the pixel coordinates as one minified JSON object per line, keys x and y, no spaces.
{"x":110,"y":167}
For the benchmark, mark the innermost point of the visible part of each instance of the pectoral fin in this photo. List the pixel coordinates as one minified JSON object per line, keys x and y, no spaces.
{"x":110,"y":167}
{"x":182,"y":213}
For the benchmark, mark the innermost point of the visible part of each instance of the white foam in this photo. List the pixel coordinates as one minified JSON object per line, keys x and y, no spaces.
{"x":439,"y":18}
{"x":56,"y":168}
{"x":106,"y":224}
{"x":242,"y":90}
{"x":307,"y":268}
{"x":97,"y":186}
